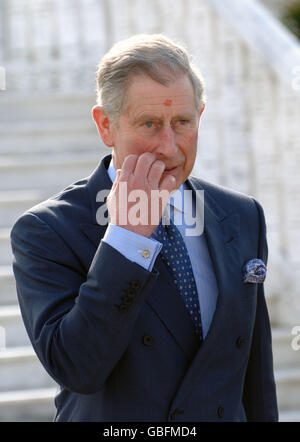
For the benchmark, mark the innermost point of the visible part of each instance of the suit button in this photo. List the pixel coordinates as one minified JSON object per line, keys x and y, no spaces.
{"x":135,"y":284}
{"x":123,"y":308}
{"x":127,"y":300}
{"x":220,"y":412}
{"x":174,"y":413}
{"x":148,"y":340}
{"x":131,"y":293}
{"x":239,"y":342}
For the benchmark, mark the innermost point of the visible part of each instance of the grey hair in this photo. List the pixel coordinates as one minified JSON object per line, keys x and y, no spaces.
{"x":154,"y":55}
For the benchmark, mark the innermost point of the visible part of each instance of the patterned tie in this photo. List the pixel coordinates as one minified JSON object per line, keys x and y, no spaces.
{"x":176,"y":258}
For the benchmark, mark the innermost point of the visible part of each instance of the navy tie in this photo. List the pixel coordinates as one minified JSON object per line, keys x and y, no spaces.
{"x":176,"y":258}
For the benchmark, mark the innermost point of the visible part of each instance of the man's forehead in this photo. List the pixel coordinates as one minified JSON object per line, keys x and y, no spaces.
{"x":144,"y":85}
{"x":143,"y":93}
{"x":146,"y":102}
{"x":159,"y":107}
{"x":162,"y":97}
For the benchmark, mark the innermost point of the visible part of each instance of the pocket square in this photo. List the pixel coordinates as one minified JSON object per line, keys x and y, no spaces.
{"x":254,"y":271}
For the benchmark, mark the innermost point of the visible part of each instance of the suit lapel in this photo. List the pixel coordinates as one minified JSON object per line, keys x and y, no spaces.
{"x":222,"y":235}
{"x":166,"y":301}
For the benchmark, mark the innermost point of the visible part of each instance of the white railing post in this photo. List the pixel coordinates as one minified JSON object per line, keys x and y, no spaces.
{"x":2,"y":338}
{"x":264,"y":34}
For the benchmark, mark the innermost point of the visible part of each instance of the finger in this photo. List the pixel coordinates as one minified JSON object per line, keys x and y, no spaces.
{"x":117,"y":179}
{"x":155,"y":173}
{"x":168,"y":183}
{"x":128,"y":166}
{"x":143,"y":164}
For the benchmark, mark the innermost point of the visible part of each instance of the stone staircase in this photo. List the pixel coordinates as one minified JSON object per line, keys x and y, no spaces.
{"x":46,"y":143}
{"x":54,"y":144}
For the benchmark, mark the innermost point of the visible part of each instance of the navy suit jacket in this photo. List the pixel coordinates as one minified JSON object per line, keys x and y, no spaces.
{"x":119,"y":340}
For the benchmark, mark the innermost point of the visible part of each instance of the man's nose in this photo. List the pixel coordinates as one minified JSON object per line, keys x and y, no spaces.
{"x":166,"y":142}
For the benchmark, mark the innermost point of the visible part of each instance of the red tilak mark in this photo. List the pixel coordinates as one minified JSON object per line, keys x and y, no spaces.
{"x":168,"y":103}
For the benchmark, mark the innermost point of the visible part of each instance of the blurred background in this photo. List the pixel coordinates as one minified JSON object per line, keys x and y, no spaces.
{"x":249,"y":54}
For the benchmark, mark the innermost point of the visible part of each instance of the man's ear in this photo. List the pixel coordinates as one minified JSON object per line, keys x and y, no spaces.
{"x":201,"y":110}
{"x":104,"y":125}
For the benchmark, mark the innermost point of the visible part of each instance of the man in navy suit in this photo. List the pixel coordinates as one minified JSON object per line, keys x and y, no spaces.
{"x":136,"y":319}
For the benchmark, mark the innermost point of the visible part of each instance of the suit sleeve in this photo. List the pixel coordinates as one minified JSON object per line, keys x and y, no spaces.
{"x":259,"y":397}
{"x":79,"y":325}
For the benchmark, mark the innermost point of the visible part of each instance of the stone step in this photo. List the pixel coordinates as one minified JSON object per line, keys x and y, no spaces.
{"x":52,"y":172}
{"x":284,"y":355}
{"x":5,"y":248}
{"x":288,"y":388}
{"x":273,"y":310}
{"x":35,"y":405}
{"x":289,"y":415}
{"x":8,"y":294}
{"x":21,"y":369}
{"x":48,"y":123}
{"x":49,"y":136}
{"x":15,"y":202}
{"x":41,"y":107}
{"x":13,"y":330}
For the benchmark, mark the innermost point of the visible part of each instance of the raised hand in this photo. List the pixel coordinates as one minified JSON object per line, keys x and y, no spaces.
{"x":140,"y":193}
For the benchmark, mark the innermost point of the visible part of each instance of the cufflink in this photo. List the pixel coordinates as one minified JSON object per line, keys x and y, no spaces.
{"x":146,"y":253}
{"x":254,"y":271}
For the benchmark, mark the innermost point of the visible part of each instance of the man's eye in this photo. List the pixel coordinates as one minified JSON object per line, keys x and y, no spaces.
{"x":149,"y":124}
{"x":180,"y":124}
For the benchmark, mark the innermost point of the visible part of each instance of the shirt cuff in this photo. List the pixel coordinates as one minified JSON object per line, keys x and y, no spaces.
{"x":135,"y":247}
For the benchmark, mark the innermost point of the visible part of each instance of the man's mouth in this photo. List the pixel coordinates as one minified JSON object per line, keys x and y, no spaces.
{"x":171,"y":170}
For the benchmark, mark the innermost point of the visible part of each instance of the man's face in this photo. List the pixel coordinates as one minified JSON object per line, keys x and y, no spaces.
{"x":159,"y":119}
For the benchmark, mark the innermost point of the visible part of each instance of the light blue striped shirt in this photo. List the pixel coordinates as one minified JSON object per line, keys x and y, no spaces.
{"x":132,"y":246}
